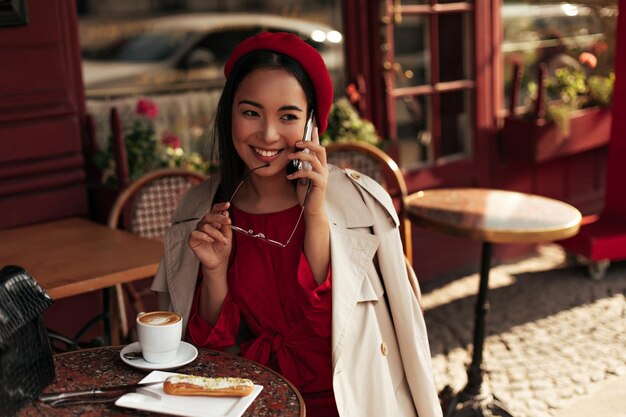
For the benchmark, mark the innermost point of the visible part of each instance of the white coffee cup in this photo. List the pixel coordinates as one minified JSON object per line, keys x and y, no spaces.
{"x":159,"y":334}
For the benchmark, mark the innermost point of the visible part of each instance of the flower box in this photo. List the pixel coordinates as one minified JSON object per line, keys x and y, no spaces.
{"x":539,"y":140}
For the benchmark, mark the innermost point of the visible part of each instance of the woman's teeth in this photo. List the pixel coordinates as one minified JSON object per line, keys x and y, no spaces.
{"x":264,"y":152}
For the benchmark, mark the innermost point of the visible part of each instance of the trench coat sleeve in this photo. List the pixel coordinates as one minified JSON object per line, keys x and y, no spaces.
{"x":403,"y":292}
{"x":176,"y":277}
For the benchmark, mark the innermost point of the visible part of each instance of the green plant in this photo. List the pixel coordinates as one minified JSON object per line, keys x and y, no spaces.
{"x":569,"y":90}
{"x":144,"y":151}
{"x":345,"y":124}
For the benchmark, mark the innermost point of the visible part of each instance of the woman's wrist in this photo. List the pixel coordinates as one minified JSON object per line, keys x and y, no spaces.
{"x":212,"y":295}
{"x":315,"y":220}
{"x":214,"y":275}
{"x":317,"y":246}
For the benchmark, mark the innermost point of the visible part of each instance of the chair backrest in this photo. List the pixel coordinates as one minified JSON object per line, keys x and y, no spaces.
{"x":146,"y":205}
{"x":375,"y":163}
{"x":144,"y":208}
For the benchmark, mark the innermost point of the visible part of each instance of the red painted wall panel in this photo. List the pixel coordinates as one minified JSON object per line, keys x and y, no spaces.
{"x":585,"y":174}
{"x":42,"y":205}
{"x":42,"y":175}
{"x":45,"y":22}
{"x":32,"y":70}
{"x":550,"y":179}
{"x":40,"y":138}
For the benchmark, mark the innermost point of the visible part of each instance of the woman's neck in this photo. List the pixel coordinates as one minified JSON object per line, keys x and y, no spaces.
{"x":266,"y":194}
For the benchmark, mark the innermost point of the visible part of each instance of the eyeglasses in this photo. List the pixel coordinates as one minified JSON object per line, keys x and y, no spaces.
{"x":261,"y":236}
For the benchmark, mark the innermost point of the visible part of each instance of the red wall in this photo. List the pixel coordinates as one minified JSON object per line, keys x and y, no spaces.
{"x":41,"y":116}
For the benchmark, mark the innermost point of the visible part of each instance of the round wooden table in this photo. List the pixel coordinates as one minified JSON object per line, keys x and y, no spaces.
{"x":491,"y":216}
{"x":91,"y":368}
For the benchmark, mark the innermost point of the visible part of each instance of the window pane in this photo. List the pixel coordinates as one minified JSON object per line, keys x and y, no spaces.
{"x":555,"y":34}
{"x":456,"y":129}
{"x":128,"y":33}
{"x":412,"y":65}
{"x":454,"y":46}
{"x":414,"y":137}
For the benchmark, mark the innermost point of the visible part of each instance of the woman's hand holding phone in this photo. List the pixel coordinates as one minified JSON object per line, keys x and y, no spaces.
{"x":311,"y":190}
{"x":297,"y":164}
{"x":310,"y":157}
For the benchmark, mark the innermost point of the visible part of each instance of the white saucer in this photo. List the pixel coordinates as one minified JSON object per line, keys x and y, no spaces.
{"x":186,"y":353}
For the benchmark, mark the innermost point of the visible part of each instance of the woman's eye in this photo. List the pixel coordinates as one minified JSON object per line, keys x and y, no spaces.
{"x":289,"y":117}
{"x":250,"y":113}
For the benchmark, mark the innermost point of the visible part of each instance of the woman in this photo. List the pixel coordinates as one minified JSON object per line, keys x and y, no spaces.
{"x":309,"y":262}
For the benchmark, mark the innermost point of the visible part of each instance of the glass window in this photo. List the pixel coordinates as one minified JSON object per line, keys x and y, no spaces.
{"x":555,"y":34}
{"x":414,"y":130}
{"x":454,"y":58}
{"x":456,"y":126}
{"x":432,"y":79}
{"x":203,"y":33}
{"x":222,"y":42}
{"x":412,"y":60}
{"x":176,"y":50}
{"x":145,"y":47}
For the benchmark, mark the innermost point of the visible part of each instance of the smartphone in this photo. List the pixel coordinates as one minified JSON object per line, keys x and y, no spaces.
{"x":297,"y":164}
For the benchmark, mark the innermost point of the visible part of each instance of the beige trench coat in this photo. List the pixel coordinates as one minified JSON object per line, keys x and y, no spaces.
{"x":378,"y":370}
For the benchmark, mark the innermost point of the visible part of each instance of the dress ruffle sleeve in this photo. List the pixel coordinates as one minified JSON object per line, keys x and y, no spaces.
{"x":318,"y":296}
{"x":217,"y":337}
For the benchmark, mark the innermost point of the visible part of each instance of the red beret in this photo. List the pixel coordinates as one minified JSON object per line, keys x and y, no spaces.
{"x":303,"y":53}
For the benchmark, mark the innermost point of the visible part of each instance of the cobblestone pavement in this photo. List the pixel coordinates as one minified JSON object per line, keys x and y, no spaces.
{"x":552,"y":333}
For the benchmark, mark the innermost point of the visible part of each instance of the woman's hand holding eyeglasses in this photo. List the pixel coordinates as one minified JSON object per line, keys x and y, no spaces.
{"x":211,"y":240}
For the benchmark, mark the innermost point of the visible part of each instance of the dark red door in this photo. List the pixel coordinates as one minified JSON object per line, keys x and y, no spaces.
{"x":424,"y":71}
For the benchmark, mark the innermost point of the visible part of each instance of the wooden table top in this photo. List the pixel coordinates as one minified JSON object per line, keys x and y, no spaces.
{"x":495,"y":216}
{"x":90,"y":368}
{"x":73,"y":256}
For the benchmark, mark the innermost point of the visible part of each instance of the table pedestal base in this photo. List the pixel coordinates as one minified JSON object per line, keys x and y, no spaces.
{"x":476,"y":399}
{"x":483,"y":404}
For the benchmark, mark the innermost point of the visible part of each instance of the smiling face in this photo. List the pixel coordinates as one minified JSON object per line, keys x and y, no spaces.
{"x":268,"y":117}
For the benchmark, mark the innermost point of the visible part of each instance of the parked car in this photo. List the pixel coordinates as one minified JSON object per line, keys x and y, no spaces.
{"x":184,"y":52}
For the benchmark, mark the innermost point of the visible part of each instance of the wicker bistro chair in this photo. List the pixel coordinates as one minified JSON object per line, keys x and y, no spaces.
{"x":375,"y":163}
{"x":144,"y":208}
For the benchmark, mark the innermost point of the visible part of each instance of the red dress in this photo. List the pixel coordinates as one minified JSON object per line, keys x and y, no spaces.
{"x":273,"y":291}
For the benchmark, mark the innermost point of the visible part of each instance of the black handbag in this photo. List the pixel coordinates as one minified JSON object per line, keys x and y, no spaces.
{"x":26,"y":365}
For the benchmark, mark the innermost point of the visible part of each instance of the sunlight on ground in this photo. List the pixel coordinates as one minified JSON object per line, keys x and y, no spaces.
{"x":553,"y":335}
{"x":551,"y":256}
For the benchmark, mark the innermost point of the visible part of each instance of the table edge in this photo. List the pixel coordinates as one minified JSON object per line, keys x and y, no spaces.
{"x":108,"y":281}
{"x":502,"y":235}
{"x":293,"y":388}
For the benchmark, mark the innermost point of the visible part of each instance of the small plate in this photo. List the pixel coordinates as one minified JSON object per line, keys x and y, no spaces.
{"x":186,"y":353}
{"x":156,"y":400}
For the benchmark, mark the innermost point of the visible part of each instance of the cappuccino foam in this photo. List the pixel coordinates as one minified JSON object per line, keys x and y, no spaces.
{"x":159,"y":318}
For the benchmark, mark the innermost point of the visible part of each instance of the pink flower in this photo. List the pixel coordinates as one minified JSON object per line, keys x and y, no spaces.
{"x":588,"y":59}
{"x":147,"y":108}
{"x":170,"y":140}
{"x":353,"y":93}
